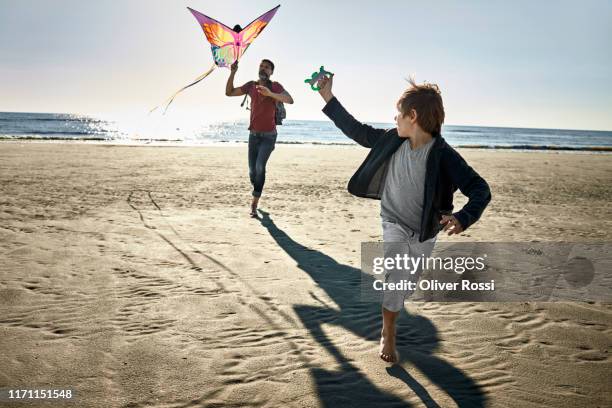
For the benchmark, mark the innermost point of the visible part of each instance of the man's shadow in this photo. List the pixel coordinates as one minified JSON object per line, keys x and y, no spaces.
{"x":416,"y":341}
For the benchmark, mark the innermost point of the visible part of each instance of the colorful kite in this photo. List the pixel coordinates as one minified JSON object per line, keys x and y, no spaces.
{"x":227,"y":44}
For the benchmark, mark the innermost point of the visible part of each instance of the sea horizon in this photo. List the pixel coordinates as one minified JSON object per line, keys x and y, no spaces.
{"x":166,"y":130}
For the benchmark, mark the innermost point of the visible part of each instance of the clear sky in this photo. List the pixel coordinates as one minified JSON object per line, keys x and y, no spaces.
{"x":499,"y":63}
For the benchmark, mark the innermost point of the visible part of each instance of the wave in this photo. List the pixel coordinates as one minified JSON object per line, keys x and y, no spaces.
{"x":59,"y":132}
{"x":27,"y":119}
{"x":56,"y":136}
{"x":462,"y":131}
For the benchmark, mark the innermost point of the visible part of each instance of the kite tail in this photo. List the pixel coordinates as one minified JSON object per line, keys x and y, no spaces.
{"x":198,"y":79}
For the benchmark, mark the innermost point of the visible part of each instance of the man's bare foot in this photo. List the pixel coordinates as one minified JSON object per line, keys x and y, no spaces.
{"x":254,"y":207}
{"x":388,"y":352}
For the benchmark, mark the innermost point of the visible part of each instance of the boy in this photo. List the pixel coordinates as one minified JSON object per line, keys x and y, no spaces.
{"x":414,"y":172}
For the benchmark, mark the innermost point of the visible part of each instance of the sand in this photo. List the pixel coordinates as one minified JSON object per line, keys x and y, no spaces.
{"x":134,"y":276}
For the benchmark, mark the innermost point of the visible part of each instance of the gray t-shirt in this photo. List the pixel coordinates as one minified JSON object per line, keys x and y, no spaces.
{"x":402,"y":198}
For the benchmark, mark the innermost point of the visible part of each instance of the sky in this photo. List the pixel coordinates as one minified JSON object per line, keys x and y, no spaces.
{"x":544,"y":64}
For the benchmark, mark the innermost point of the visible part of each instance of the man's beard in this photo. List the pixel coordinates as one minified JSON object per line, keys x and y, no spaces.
{"x":263,"y":75}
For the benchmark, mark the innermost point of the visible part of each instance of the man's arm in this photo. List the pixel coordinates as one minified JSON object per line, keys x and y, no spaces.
{"x":282,"y":96}
{"x":471,"y":185}
{"x":285,"y":97}
{"x":229,"y":88}
{"x":363,"y":134}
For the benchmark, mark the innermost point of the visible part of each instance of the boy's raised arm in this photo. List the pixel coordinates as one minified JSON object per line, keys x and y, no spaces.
{"x":363,"y":134}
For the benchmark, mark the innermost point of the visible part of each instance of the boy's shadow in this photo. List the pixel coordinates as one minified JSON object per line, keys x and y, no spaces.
{"x":416,"y":341}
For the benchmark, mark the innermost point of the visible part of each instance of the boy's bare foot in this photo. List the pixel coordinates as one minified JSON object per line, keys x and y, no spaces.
{"x":388,"y":352}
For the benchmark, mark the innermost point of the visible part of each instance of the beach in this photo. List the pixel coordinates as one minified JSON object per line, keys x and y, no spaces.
{"x":134,"y":276}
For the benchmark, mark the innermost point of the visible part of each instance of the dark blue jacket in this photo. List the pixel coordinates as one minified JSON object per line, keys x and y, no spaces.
{"x":445,"y":171}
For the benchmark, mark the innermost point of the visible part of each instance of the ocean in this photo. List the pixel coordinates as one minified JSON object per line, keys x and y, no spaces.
{"x":146,"y":130}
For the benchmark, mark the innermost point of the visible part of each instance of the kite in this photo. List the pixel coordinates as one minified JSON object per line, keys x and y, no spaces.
{"x":227,"y":45}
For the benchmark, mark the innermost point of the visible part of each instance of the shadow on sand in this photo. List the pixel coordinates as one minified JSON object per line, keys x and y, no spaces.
{"x":417,"y":337}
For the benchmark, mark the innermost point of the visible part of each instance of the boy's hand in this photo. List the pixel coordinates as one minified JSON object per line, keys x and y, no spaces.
{"x":234,"y":67}
{"x":325,"y":85}
{"x":451,"y":224}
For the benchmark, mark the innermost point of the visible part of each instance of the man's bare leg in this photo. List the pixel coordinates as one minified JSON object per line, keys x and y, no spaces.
{"x":388,"y":352}
{"x":254,"y":206}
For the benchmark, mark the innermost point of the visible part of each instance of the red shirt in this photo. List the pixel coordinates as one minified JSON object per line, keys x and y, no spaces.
{"x":263,"y":108}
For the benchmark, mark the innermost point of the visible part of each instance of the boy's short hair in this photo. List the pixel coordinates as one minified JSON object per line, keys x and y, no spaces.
{"x":426,"y":100}
{"x":269,"y":62}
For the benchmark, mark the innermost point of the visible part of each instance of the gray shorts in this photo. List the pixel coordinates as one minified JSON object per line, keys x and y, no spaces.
{"x":399,"y":240}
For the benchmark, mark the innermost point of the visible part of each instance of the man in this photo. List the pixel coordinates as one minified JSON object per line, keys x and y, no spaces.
{"x":414,"y":172}
{"x":262,"y":126}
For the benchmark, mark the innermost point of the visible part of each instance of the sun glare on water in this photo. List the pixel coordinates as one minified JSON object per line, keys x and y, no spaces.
{"x":173,"y":127}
